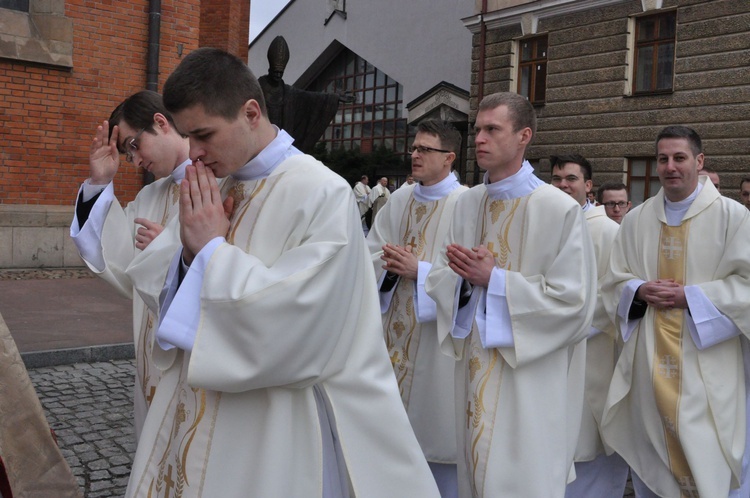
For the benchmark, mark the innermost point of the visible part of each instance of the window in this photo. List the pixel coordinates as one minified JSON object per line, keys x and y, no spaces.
{"x":654,"y":53}
{"x":22,"y":5}
{"x":372,"y":118}
{"x":36,"y":31}
{"x":532,"y":68}
{"x":643,"y":182}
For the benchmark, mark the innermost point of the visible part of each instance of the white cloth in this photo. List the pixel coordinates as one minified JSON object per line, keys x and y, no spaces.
{"x":519,"y":407}
{"x":712,"y":404}
{"x":598,"y":475}
{"x":419,"y":216}
{"x":287,"y":338}
{"x":362,"y":196}
{"x":106,"y":243}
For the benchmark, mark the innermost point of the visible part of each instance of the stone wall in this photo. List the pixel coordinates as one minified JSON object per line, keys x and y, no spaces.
{"x":36,"y":236}
{"x":588,"y":108}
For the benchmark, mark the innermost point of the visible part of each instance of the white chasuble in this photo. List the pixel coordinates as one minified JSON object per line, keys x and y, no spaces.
{"x":424,"y":374}
{"x":288,"y":309}
{"x":115,"y":246}
{"x":402,"y":332}
{"x":519,"y":407}
{"x":674,"y":412}
{"x":601,"y":347}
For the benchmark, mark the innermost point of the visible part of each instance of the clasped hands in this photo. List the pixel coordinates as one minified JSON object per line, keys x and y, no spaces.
{"x":400,"y":260}
{"x":203,"y":215}
{"x":474,"y":265}
{"x":663,"y":294}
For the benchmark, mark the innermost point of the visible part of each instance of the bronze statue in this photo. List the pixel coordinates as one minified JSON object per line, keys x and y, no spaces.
{"x":303,"y":114}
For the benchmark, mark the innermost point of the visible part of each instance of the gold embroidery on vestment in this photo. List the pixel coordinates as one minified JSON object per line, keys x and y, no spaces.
{"x":500,"y":224}
{"x":667,"y":361}
{"x":400,"y":325}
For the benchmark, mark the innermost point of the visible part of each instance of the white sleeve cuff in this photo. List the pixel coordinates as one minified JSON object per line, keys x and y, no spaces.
{"x":623,"y":308}
{"x":180,"y":312}
{"x":424,"y":305}
{"x":497,"y":332}
{"x":90,"y":191}
{"x":88,"y":238}
{"x":707,"y":325}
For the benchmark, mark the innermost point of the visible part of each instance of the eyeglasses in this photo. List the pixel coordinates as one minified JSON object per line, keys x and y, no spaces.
{"x":612,"y":204}
{"x":423,"y":149}
{"x":131,"y":146}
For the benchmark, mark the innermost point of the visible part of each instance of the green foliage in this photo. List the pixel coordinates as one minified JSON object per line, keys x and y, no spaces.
{"x":352,"y":164}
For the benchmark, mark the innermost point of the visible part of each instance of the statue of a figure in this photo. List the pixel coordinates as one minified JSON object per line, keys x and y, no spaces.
{"x":303,"y":114}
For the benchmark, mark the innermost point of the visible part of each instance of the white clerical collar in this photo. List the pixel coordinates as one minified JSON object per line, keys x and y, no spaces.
{"x":587,"y":206}
{"x":269,"y":158}
{"x":520,"y":184}
{"x":423,"y":193}
{"x":675,"y":211}
{"x":178,"y":174}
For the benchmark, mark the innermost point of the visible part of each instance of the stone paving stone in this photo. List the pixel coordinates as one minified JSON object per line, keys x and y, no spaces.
{"x":89,"y":406}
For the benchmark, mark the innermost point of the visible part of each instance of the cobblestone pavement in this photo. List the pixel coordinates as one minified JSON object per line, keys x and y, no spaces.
{"x":90,"y":408}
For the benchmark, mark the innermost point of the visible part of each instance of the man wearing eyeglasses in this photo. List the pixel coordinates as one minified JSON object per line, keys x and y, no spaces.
{"x":515,"y":292}
{"x":677,"y":290}
{"x":107,"y":236}
{"x":614,"y":197}
{"x":597,"y":474}
{"x":405,"y":239}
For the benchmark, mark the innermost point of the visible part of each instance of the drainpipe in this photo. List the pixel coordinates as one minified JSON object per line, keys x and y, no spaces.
{"x":154,"y":23}
{"x":152,"y":59}
{"x":482,"y":41}
{"x":480,"y":76}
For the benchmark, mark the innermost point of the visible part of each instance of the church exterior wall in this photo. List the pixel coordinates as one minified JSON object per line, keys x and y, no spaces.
{"x":61,"y":77}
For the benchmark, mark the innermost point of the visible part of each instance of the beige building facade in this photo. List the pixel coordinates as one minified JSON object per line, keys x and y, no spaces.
{"x":606,"y":75}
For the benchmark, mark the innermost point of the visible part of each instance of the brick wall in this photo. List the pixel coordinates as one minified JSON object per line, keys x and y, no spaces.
{"x":224,"y":25}
{"x":48,"y":114}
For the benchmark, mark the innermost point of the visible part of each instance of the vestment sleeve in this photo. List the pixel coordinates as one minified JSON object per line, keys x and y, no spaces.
{"x":287,"y":320}
{"x":106,"y":239}
{"x":551,"y":303}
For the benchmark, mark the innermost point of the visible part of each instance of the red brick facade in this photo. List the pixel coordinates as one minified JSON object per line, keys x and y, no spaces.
{"x":48,"y":114}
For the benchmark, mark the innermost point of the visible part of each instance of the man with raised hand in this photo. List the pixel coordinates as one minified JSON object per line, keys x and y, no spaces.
{"x":108,"y":237}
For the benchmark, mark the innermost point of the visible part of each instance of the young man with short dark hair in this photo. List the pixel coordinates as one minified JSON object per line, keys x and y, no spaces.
{"x":107,"y":236}
{"x":515,"y":293}
{"x":614,"y":197}
{"x":276,"y":382}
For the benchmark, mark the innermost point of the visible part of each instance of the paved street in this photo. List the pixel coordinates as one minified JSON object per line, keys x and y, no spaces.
{"x":89,"y":406}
